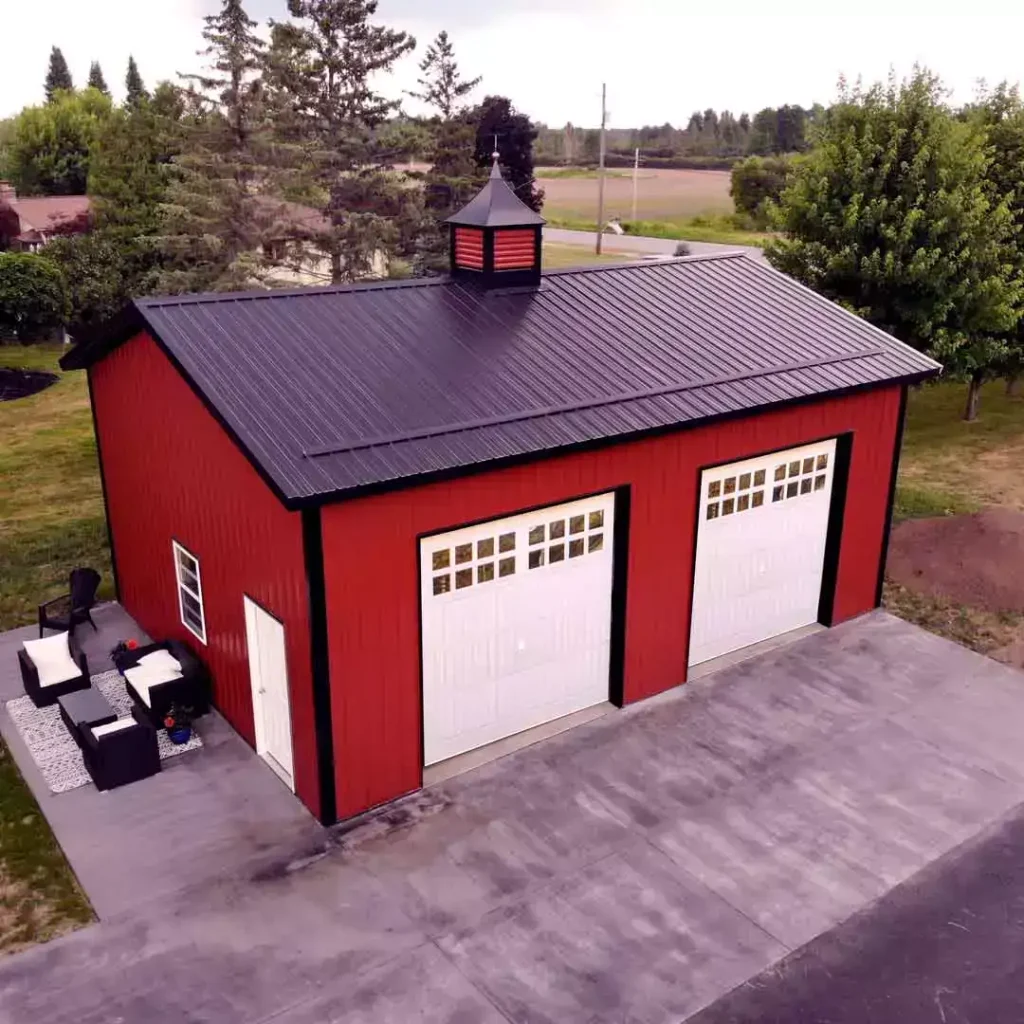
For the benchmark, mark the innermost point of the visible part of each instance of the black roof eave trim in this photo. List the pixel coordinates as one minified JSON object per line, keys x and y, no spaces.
{"x":100,"y":341}
{"x":454,"y":472}
{"x":127,"y":325}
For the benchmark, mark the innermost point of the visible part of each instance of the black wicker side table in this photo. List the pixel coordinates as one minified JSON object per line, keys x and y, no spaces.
{"x":84,"y":708}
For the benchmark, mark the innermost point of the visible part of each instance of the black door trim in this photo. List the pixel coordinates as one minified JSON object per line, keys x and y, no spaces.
{"x":620,"y":586}
{"x":103,"y":486}
{"x":313,"y":549}
{"x":897,"y":450}
{"x":834,"y":534}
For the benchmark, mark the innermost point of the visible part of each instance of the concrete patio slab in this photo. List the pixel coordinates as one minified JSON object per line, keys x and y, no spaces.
{"x":207,"y":813}
{"x":632,"y":869}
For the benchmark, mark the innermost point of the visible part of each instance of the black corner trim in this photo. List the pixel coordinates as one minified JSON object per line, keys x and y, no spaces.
{"x":897,"y":449}
{"x":620,"y":573}
{"x":103,"y":487}
{"x":834,"y":533}
{"x":313,"y":547}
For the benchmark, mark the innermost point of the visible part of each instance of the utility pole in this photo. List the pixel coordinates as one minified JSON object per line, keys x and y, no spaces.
{"x":636,"y":175}
{"x":600,"y":172}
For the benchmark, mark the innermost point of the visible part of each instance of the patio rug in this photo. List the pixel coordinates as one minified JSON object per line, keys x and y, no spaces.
{"x":54,"y":751}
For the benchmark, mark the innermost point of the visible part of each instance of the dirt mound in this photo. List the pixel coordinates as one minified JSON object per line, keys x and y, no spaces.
{"x":975,"y":560}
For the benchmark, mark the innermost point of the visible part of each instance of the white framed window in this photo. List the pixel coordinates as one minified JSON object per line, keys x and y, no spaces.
{"x":190,"y":592}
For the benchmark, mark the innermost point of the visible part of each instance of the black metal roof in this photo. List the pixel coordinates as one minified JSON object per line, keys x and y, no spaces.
{"x":496,"y":206}
{"x":332,"y":390}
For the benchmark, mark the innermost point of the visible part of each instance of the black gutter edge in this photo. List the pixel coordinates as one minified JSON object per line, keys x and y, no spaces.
{"x":620,"y":573}
{"x":103,"y":488}
{"x":98,"y":341}
{"x":296,"y":503}
{"x":897,"y":450}
{"x":313,"y":550}
{"x":834,"y":533}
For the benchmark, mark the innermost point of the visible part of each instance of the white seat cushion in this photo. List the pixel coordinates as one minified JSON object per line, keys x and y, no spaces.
{"x":143,"y":677}
{"x":121,"y":723}
{"x":161,"y":659}
{"x":52,"y":659}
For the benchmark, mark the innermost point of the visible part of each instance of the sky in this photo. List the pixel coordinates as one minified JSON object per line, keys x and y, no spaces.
{"x":661,"y":59}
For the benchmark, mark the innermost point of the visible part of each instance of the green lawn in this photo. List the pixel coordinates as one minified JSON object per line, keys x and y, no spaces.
{"x":51,"y":519}
{"x":51,"y":505}
{"x":560,"y":257}
{"x":702,"y":228}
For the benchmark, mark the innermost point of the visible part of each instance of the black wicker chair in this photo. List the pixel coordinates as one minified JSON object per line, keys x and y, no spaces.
{"x":73,"y":608}
{"x":192,"y":690}
{"x":121,"y":752}
{"x":43,"y":696}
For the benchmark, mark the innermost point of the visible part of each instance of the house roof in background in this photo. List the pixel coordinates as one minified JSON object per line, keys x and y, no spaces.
{"x":46,"y":214}
{"x":335,"y":390}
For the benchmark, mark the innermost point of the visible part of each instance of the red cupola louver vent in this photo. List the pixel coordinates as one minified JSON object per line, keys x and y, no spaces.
{"x":469,"y":248}
{"x":515,"y":249}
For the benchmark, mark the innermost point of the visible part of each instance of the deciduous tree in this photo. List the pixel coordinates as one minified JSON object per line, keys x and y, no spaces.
{"x":515,"y":133}
{"x":58,"y":75}
{"x":50,"y":148}
{"x":891,"y":214}
{"x":757,"y":182}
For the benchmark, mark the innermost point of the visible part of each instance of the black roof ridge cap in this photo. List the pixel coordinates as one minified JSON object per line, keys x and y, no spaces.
{"x":210,"y":298}
{"x":891,"y":338}
{"x":343,"y":447}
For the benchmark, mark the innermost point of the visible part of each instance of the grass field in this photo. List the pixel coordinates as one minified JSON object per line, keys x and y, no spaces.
{"x":690,"y":205}
{"x":561,"y":257}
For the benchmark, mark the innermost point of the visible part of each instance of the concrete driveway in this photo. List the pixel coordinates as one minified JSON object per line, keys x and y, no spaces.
{"x":631,"y":870}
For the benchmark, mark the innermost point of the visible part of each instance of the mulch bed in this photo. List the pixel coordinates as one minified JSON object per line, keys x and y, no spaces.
{"x":975,"y":560}
{"x":22,"y":383}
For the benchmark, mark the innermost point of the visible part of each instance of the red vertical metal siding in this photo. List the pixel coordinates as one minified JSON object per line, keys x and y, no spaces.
{"x":371,"y":565}
{"x":172,"y":472}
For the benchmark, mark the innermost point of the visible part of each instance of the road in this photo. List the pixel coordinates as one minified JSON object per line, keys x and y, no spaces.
{"x":641,"y":244}
{"x":946,"y":947}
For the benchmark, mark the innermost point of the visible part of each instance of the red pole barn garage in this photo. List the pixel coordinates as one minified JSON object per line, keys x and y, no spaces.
{"x":404,"y":520}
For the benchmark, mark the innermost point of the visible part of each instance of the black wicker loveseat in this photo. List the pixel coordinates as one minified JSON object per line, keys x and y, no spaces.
{"x":189,"y":690}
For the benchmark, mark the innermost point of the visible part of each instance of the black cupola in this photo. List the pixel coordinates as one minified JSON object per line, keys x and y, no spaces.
{"x":496,"y":237}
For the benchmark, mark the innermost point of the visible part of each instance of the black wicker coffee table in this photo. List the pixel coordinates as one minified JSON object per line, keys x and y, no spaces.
{"x":85,"y":708}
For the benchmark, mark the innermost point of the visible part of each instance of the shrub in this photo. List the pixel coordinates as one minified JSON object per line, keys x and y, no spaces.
{"x":756,"y":182}
{"x":33,"y":297}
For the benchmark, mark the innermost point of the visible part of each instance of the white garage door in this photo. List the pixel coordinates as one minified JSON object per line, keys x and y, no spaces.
{"x":516,"y":623}
{"x":761,"y":536}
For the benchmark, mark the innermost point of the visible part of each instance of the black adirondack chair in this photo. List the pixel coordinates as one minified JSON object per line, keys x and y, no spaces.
{"x":73,"y":608}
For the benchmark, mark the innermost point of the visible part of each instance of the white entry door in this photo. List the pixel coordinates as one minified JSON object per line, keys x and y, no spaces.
{"x":516,"y":623}
{"x":268,"y":671}
{"x":761,"y":536}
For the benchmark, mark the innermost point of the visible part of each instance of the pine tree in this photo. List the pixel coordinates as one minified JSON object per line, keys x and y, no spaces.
{"x":453,"y":176}
{"x":217,"y":216}
{"x":321,"y":76}
{"x":135,"y":90}
{"x":96,"y":79}
{"x":442,"y":85}
{"x":497,"y":119}
{"x":58,"y":77}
